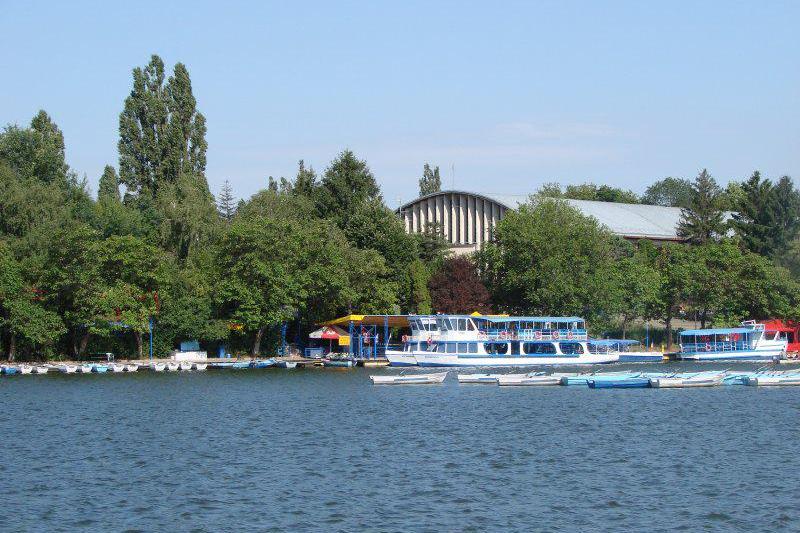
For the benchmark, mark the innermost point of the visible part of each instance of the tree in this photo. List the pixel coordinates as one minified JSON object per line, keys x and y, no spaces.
{"x":549,"y":259}
{"x":347,"y":184}
{"x":36,"y":152}
{"x":186,"y":217}
{"x":305,"y":183}
{"x":702,"y":221}
{"x":226,"y":204}
{"x":430,"y":182}
{"x":419,"y":298}
{"x":671,"y":262}
{"x":639,"y":284}
{"x":588,"y":191}
{"x":754,"y":220}
{"x":457,"y":289}
{"x":162,"y":135}
{"x":669,"y":192}
{"x":108,"y":188}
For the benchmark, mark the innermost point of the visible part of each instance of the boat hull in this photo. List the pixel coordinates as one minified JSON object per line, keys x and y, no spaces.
{"x":630,"y":383}
{"x":401,"y":359}
{"x":641,"y":357}
{"x":773,"y":381}
{"x":412,"y":379}
{"x":528,"y":381}
{"x":745,"y":355}
{"x":431,"y":359}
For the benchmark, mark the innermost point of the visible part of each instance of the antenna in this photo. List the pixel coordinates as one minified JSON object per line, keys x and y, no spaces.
{"x":453,"y":175}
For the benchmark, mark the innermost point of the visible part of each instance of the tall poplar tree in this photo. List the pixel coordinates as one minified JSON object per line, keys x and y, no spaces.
{"x":702,"y":220}
{"x":162,"y":135}
{"x":430,"y":182}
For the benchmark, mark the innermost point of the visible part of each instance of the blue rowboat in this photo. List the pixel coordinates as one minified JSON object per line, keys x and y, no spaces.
{"x":583,"y":379}
{"x":629,"y":383}
{"x":10,"y":370}
{"x":240,"y":364}
{"x":99,"y":369}
{"x":265,"y":363}
{"x":342,"y":363}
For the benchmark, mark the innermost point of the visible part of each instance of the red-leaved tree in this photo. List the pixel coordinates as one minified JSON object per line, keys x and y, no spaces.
{"x":457,"y":289}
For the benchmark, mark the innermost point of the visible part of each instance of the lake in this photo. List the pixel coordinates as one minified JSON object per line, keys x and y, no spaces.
{"x":324,"y":449}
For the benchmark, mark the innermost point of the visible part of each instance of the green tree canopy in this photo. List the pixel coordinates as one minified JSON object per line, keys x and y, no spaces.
{"x":430,"y":182}
{"x":669,"y":192}
{"x":702,"y":221}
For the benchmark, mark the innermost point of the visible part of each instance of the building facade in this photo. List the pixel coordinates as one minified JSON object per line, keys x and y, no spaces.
{"x":467,"y":219}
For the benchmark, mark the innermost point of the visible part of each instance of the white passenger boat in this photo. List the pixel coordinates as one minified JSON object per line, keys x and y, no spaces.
{"x":199,"y":366}
{"x":749,"y":342}
{"x":25,"y":369}
{"x":761,"y":380}
{"x":67,"y":369}
{"x":185,"y":365}
{"x":173,"y":366}
{"x":158,"y":367}
{"x":409,"y":379}
{"x":424,"y":334}
{"x":115,"y":367}
{"x":527,"y":380}
{"x":130,"y":367}
{"x":478,"y":340}
{"x":41,"y":369}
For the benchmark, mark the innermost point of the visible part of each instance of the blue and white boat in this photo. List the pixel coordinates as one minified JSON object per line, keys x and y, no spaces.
{"x":749,"y":342}
{"x":627,"y":383}
{"x":481,"y":340}
{"x":424,"y":335}
{"x":262,"y":363}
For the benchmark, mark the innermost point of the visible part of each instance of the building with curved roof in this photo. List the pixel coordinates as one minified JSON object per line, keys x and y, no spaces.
{"x":467,"y":219}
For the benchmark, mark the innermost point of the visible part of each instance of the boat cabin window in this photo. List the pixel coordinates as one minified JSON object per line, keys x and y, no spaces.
{"x":496,"y":347}
{"x":463,"y":347}
{"x":473,"y":347}
{"x":539,"y":348}
{"x":470,"y":326}
{"x":571,"y":348}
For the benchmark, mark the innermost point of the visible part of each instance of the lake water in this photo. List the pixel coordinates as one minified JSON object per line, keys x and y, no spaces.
{"x":323,"y":449}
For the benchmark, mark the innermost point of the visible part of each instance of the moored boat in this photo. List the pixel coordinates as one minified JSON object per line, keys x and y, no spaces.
{"x":130,"y":367}
{"x":67,"y":369}
{"x":9,"y":370}
{"x":749,"y":342}
{"x":583,"y":379}
{"x":85,"y":369}
{"x":626,"y":383}
{"x":286,"y":364}
{"x":99,"y":369}
{"x":478,"y":378}
{"x":185,"y":365}
{"x":264,"y":363}
{"x":199,"y":366}
{"x":340,"y":363}
{"x":41,"y":369}
{"x":410,"y":379}
{"x":157,"y":367}
{"x":239,"y":365}
{"x":116,"y":368}
{"x":173,"y":366}
{"x":792,"y":379}
{"x":623,"y":349}
{"x":527,"y":380}
{"x":25,"y":369}
{"x":683,"y":381}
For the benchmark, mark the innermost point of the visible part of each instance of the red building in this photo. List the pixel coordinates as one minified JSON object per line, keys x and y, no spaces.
{"x":789,"y":327}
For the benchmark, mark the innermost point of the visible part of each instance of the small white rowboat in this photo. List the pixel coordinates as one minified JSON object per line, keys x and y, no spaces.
{"x":185,"y":365}
{"x":25,"y":369}
{"x":158,"y":367}
{"x":114,"y":367}
{"x":85,"y":369}
{"x":41,"y":369}
{"x":409,"y":379}
{"x":199,"y":366}
{"x":173,"y":367}
{"x":760,"y":381}
{"x":131,"y":368}
{"x":478,"y":378}
{"x":669,"y":383}
{"x":67,"y":369}
{"x":527,"y":380}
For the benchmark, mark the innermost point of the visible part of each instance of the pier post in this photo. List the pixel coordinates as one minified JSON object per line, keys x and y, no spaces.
{"x":151,"y":337}
{"x":385,"y":336}
{"x":350,"y":335}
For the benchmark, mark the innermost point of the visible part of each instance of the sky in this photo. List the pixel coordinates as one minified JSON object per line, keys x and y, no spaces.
{"x":503,"y":96}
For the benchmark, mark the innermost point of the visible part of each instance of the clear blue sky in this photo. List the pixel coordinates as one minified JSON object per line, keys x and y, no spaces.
{"x":512,"y":94}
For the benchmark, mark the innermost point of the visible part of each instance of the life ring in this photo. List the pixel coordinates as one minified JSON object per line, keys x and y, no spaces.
{"x":735,"y":337}
{"x":405,"y":338}
{"x":503,"y":335}
{"x":554,"y":334}
{"x":708,"y":346}
{"x":538,"y":335}
{"x":430,"y":340}
{"x":569,"y":334}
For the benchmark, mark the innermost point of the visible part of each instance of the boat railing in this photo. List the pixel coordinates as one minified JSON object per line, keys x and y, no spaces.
{"x":724,"y":346}
{"x":533,"y":334}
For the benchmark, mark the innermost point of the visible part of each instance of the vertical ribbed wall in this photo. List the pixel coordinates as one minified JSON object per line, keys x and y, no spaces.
{"x":464,"y":219}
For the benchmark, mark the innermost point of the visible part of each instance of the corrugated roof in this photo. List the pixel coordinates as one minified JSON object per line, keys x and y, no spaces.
{"x":631,"y":220}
